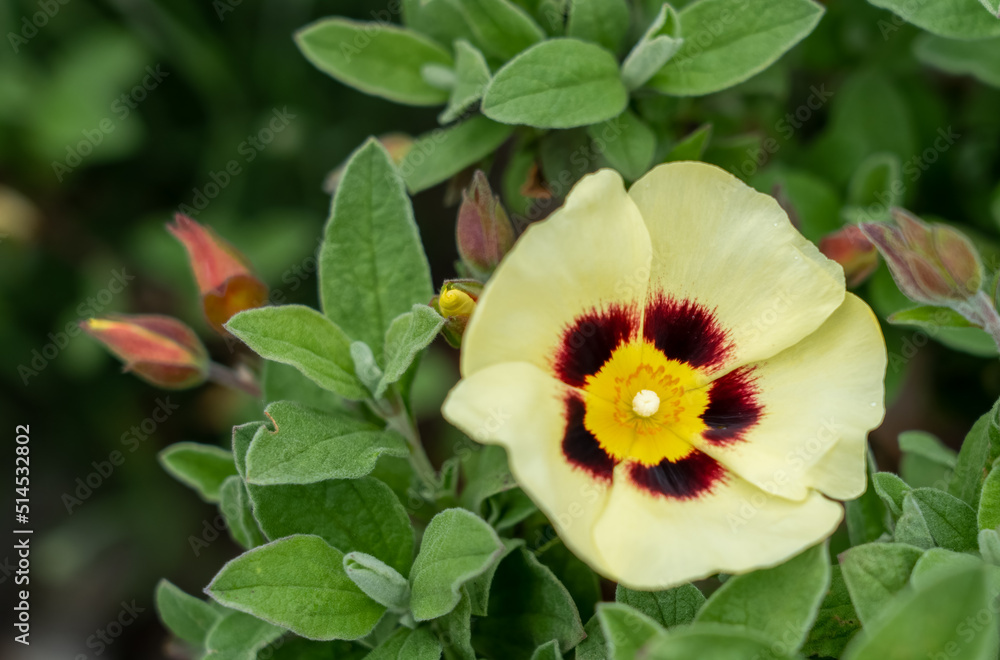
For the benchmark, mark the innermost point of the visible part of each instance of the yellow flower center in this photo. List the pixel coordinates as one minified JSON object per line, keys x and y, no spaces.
{"x":645,"y":407}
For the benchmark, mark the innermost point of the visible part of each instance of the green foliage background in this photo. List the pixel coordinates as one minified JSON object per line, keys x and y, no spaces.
{"x":859,"y":103}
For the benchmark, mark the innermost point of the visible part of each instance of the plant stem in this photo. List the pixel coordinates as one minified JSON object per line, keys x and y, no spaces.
{"x":398,"y":419}
{"x":236,"y":380}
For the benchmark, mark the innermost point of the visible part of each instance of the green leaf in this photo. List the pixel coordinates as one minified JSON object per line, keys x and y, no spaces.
{"x":723,"y":46}
{"x":507,"y":509}
{"x":891,"y":489}
{"x":626,"y":142}
{"x":365,"y":365}
{"x":187,"y":617}
{"x":457,"y":546}
{"x":407,"y":644}
{"x":928,"y":316}
{"x":951,"y":521}
{"x":479,"y":588}
{"x":980,"y":448}
{"x":912,"y":527}
{"x":303,"y":338}
{"x":594,"y":647}
{"x":579,"y":579}
{"x":926,"y":460}
{"x":500,"y":28}
{"x":658,"y":44}
{"x":372,"y":266}
{"x":780,"y":602}
{"x":235,"y":507}
{"x":626,"y":630}
{"x":239,"y":636}
{"x":408,"y":335}
{"x":874,"y":573}
{"x":712,"y":640}
{"x":959,"y":19}
{"x":584,"y":89}
{"x":669,"y":608}
{"x":472,"y":74}
{"x":603,"y":22}
{"x":296,"y":648}
{"x":486,"y":474}
{"x":875,"y":187}
{"x":836,"y":621}
{"x":310,"y":446}
{"x":528,"y":607}
{"x":283,"y":382}
{"x":362,"y":515}
{"x":548,"y":651}
{"x":381,"y":582}
{"x":932,"y":621}
{"x":376,"y":58}
{"x":866,"y":516}
{"x":989,"y":546}
{"x":243,"y":435}
{"x":298,"y":583}
{"x":456,"y":630}
{"x":989,"y":501}
{"x":201,"y":467}
{"x":980,"y":59}
{"x":445,"y":152}
{"x":692,"y":147}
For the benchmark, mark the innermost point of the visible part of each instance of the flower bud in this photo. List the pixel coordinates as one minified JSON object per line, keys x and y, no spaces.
{"x":455,"y":303}
{"x":159,"y":349}
{"x":484,"y":232}
{"x":225,"y":280}
{"x":932,"y":264}
{"x":850,"y":248}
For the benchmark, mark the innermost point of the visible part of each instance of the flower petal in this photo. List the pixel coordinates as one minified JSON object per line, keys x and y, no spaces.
{"x":818,"y":400}
{"x":723,"y":245}
{"x":534,"y":417}
{"x":648,"y":541}
{"x":589,"y":257}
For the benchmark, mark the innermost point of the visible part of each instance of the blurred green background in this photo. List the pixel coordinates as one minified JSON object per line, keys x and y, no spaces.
{"x":113,"y":113}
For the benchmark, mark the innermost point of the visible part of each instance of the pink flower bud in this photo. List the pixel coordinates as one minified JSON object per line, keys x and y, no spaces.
{"x":850,"y":248}
{"x":932,"y":264}
{"x":484,"y":232}
{"x":159,"y":349}
{"x":225,"y":280}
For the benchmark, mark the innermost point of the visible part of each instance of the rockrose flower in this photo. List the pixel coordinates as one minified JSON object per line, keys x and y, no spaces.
{"x":680,"y":380}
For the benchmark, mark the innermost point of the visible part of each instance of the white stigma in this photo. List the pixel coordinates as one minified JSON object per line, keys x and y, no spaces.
{"x":645,"y":403}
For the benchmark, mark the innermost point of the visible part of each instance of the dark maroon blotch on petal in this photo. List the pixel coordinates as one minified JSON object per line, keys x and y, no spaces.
{"x":686,"y":331}
{"x":589,"y":342}
{"x":733,"y":407}
{"x":579,"y":445}
{"x":685,"y":479}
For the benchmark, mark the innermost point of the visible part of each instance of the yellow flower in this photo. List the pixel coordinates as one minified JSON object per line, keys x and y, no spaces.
{"x":680,"y":380}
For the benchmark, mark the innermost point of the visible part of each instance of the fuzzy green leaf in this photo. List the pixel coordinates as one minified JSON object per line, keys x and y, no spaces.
{"x":201,"y":467}
{"x":445,"y":152}
{"x":691,"y":147}
{"x":310,"y":446}
{"x":548,"y":651}
{"x":959,"y":19}
{"x":626,"y":631}
{"x":187,"y":617}
{"x":457,"y":546}
{"x":669,"y":608}
{"x":299,"y":583}
{"x":235,"y":507}
{"x":408,"y":335}
{"x":980,"y":59}
{"x":381,"y":582}
{"x":989,"y":501}
{"x":479,"y":588}
{"x":989,"y":546}
{"x":372,"y":265}
{"x":407,"y":644}
{"x":951,"y":521}
{"x":912,"y":527}
{"x":239,"y":636}
{"x":472,"y":74}
{"x":603,"y":22}
{"x":980,"y":448}
{"x":500,"y":28}
{"x":928,"y":316}
{"x":658,"y":44}
{"x":926,"y":460}
{"x":361,"y":515}
{"x":584,"y":89}
{"x":836,"y":622}
{"x":780,"y":602}
{"x":283,"y":382}
{"x":303,"y":338}
{"x":579,"y":579}
{"x":628,"y":143}
{"x":376,"y":58}
{"x":456,"y":630}
{"x":712,"y":640}
{"x":724,"y":45}
{"x":875,"y":572}
{"x":892,"y":490}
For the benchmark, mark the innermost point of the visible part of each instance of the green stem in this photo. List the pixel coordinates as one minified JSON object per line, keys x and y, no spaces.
{"x":398,"y":419}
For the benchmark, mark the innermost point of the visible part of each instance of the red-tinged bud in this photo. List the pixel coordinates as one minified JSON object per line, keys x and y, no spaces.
{"x":484,"y":232}
{"x":853,"y":251}
{"x":159,"y":349}
{"x":932,"y":264}
{"x":225,"y":279}
{"x":456,"y":302}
